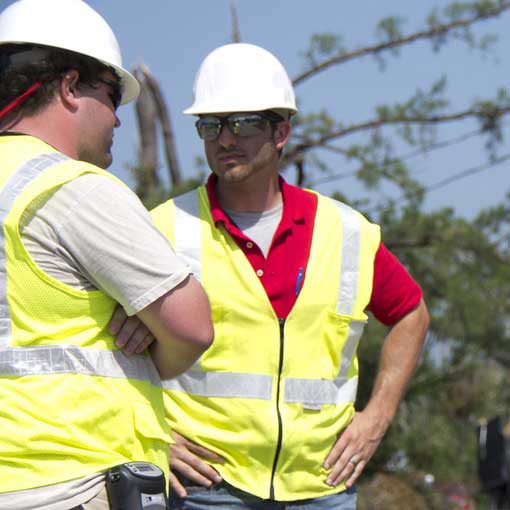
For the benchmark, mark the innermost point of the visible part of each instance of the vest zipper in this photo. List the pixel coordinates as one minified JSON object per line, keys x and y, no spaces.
{"x":281,"y":322}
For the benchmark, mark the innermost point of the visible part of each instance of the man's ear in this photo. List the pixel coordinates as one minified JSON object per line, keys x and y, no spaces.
{"x":282,"y":134}
{"x":69,"y":92}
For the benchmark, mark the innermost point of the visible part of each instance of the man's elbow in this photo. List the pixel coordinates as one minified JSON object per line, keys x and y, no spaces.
{"x":204,"y":336}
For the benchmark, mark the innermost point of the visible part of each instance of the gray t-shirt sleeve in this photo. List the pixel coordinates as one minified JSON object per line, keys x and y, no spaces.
{"x":95,"y":230}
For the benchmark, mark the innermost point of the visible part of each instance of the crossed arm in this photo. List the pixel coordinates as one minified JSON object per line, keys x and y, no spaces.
{"x":177,"y":328}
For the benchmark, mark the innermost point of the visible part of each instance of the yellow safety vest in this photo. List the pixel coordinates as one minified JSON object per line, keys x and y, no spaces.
{"x":271,"y":395}
{"x":72,"y":404}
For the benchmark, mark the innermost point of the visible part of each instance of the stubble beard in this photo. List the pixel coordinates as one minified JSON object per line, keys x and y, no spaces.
{"x":236,"y":173}
{"x":101,"y":158}
{"x":241,"y":172}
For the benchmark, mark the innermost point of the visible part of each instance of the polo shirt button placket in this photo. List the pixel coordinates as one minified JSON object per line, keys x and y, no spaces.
{"x":260,"y":273}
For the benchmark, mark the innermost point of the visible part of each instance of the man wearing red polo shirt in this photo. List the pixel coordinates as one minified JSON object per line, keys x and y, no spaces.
{"x":265,"y":419}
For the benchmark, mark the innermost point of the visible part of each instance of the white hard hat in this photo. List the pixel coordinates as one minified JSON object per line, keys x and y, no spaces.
{"x":69,"y":25}
{"x":241,"y":77}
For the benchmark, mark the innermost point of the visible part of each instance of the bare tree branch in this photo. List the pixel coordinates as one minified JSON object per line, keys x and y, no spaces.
{"x":166,"y":126}
{"x":308,"y":144}
{"x":447,"y":181}
{"x":148,"y":152}
{"x":436,"y":31}
{"x":418,"y":152}
{"x":236,"y":34}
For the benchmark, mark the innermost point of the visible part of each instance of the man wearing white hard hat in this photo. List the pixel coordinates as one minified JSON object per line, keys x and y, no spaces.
{"x":78,"y":406}
{"x":266,"y":418}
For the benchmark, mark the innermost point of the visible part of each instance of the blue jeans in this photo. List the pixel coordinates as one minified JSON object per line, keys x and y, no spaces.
{"x":223,"y":496}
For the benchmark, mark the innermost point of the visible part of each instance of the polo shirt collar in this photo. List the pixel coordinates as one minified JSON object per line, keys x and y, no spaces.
{"x":292,"y":196}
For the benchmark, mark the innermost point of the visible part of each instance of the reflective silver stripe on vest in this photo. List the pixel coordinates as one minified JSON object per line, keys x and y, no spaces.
{"x":347,"y":297}
{"x":355,"y":331}
{"x":349,"y":274}
{"x":44,"y":360}
{"x":187,"y":231}
{"x":11,"y":190}
{"x":313,"y":393}
{"x":222,"y":384}
{"x":59,"y":359}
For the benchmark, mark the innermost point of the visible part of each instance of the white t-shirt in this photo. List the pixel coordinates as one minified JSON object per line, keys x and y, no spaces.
{"x":260,"y":227}
{"x":61,"y":496}
{"x":93,"y":233}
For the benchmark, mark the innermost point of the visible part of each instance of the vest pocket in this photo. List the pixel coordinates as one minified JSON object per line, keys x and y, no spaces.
{"x":341,"y":335}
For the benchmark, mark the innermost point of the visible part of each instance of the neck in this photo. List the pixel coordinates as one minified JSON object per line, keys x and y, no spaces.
{"x":249,"y":196}
{"x":48,"y":126}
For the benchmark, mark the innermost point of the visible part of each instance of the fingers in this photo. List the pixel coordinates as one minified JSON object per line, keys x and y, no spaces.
{"x":356,"y":472}
{"x":193,"y":468}
{"x":140,"y":345}
{"x":117,"y":320}
{"x":204,"y":453}
{"x":196,"y":449}
{"x":346,"y":471}
{"x":185,"y":462}
{"x":351,"y":452}
{"x":132,"y":336}
{"x":340,"y":446}
{"x":176,"y":486}
{"x":342,"y":460}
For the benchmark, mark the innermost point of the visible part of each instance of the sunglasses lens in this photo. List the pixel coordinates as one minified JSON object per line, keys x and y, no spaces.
{"x":116,"y":97}
{"x":246,"y":125}
{"x":115,"y":93}
{"x":208,"y":128}
{"x":239,"y":124}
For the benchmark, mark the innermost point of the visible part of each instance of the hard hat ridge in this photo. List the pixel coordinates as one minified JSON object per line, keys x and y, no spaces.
{"x":241,"y":77}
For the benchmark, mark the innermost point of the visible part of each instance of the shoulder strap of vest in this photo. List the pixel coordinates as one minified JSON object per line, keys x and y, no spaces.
{"x":350,"y":226}
{"x":12,"y":189}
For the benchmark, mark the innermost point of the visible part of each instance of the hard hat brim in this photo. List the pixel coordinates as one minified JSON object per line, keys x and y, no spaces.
{"x":232,"y":108}
{"x":129,"y":84}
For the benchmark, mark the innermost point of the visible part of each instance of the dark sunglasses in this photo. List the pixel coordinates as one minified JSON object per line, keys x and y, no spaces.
{"x":115,"y":94}
{"x":239,"y":124}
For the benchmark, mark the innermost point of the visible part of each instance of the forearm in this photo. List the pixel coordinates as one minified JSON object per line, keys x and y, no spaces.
{"x":399,"y":357}
{"x":359,"y":440}
{"x":173,"y":356}
{"x":181,"y":323}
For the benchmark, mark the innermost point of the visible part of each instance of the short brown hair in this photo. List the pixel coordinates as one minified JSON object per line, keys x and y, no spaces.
{"x":18,"y":72}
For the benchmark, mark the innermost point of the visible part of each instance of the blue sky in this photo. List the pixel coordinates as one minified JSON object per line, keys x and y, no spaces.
{"x":172,"y":37}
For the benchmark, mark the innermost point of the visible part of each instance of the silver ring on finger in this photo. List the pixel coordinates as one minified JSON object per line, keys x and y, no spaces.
{"x":353,"y":461}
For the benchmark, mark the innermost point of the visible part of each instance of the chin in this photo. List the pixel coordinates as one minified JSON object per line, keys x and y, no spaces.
{"x":236,"y":174}
{"x":107,"y":161}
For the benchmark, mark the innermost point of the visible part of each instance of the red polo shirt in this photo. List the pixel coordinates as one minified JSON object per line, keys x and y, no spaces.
{"x":282,"y":273}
